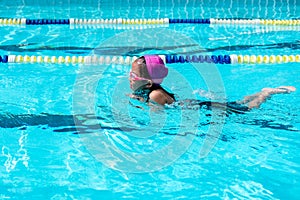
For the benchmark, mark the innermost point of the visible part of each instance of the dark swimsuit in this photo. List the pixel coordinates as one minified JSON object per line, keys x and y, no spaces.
{"x":143,"y":94}
{"x":232,"y":106}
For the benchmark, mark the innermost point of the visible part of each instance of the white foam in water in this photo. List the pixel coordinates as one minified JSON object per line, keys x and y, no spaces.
{"x":206,"y":94}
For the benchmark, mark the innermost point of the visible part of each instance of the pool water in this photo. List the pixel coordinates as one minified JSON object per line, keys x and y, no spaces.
{"x":72,"y":132}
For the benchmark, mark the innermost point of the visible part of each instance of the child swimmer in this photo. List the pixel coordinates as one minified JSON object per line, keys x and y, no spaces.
{"x":147,"y":73}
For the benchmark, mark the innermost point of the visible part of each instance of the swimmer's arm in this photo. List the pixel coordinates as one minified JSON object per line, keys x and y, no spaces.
{"x":135,"y":97}
{"x":161,"y":97}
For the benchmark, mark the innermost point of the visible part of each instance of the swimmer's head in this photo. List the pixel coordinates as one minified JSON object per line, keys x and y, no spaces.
{"x":156,"y":68}
{"x":150,"y":67}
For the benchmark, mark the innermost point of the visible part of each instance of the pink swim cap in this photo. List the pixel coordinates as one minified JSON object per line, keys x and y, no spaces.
{"x":156,"y":68}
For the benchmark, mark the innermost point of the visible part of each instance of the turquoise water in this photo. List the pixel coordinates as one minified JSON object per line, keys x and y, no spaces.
{"x":71,"y":132}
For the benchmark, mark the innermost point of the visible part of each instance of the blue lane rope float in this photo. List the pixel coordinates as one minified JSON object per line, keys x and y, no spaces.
{"x":189,"y":21}
{"x":47,"y":21}
{"x":73,"y":21}
{"x":169,"y":59}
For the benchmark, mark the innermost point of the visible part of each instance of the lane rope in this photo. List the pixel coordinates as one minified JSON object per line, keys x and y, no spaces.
{"x":168,"y":59}
{"x":75,"y":21}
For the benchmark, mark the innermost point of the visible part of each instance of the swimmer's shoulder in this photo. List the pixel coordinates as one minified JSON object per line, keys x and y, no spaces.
{"x":161,"y":97}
